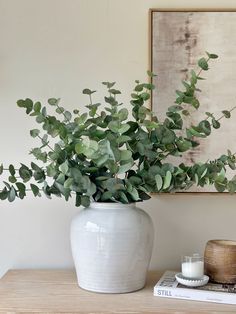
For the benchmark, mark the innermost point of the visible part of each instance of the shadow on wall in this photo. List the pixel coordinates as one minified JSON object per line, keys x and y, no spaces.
{"x":4,"y":267}
{"x":7,"y":257}
{"x":9,"y":239}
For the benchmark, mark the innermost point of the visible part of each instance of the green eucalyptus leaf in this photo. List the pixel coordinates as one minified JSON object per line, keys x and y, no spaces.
{"x":135,"y":96}
{"x":60,"y":110}
{"x":91,"y":189}
{"x":159,"y":181}
{"x":167,"y":180}
{"x":37,"y":107}
{"x":226,"y":113}
{"x":231,"y":186}
{"x":28,"y":105}
{"x":68,"y":183}
{"x":21,"y":189}
{"x":51,"y":170}
{"x":12,"y":179}
{"x":3,"y":194}
{"x":34,"y":189}
{"x":34,"y":133}
{"x":195,"y":132}
{"x":11,"y":194}
{"x":88,"y":91}
{"x":81,"y":119}
{"x":123,"y":198}
{"x":1,"y":169}
{"x":44,"y":112}
{"x":185,"y":113}
{"x":220,"y":186}
{"x":145,"y":96}
{"x":150,"y":74}
{"x":175,"y":108}
{"x":114,"y":91}
{"x":211,"y":55}
{"x":124,"y":128}
{"x":85,"y":201}
{"x":231,"y":164}
{"x":195,"y":103}
{"x":38,"y":154}
{"x":204,"y":173}
{"x":114,"y":126}
{"x":125,"y":167}
{"x":123,"y":139}
{"x":205,"y":127}
{"x":40,"y":118}
{"x":64,"y":167}
{"x":76,"y":174}
{"x":123,"y":114}
{"x":202,"y":63}
{"x":106,"y":196}
{"x":53,"y":101}
{"x":12,"y":170}
{"x":183,"y":145}
{"x":67,"y":115}
{"x":109,"y":84}
{"x":134,"y":180}
{"x":134,"y":194}
{"x":215,"y":123}
{"x":149,"y":86}
{"x":125,"y":155}
{"x":80,"y":148}
{"x":25,"y":173}
{"x":139,"y":88}
{"x":168,"y":136}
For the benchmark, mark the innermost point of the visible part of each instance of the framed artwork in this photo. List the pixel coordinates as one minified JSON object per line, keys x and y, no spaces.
{"x":178,"y":39}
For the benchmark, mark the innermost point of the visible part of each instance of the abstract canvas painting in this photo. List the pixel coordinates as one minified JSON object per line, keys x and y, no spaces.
{"x":178,"y":40}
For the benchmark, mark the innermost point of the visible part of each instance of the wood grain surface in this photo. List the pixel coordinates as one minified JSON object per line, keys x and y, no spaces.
{"x":56,"y":291}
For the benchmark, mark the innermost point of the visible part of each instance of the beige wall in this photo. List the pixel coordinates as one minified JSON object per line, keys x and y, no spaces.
{"x":56,"y":48}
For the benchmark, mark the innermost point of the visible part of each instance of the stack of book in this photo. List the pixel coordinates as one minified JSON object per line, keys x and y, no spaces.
{"x":168,"y":287}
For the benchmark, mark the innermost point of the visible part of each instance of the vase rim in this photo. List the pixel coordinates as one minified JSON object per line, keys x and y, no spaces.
{"x":112,"y":205}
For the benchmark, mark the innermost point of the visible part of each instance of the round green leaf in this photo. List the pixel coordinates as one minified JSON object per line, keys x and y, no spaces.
{"x":34,"y":133}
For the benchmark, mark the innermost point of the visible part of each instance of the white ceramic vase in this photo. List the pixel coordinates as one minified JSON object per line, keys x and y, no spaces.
{"x":112,"y":246}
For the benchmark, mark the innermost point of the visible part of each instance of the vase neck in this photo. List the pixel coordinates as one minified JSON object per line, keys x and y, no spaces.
{"x":118,"y":206}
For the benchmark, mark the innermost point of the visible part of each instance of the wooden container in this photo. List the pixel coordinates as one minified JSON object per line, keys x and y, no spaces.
{"x":220,"y":261}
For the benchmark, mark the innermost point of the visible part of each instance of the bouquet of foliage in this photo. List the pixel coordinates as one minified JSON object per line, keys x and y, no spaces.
{"x":105,"y":156}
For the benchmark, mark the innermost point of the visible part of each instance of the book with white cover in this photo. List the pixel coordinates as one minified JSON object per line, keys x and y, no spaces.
{"x":168,"y":287}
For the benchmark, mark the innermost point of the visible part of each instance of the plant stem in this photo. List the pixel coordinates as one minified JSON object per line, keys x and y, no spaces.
{"x":90,"y":97}
{"x":46,"y":144}
{"x":223,"y":116}
{"x":63,"y":113}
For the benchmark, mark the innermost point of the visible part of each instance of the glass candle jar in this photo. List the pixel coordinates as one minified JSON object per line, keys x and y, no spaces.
{"x":193,"y":266}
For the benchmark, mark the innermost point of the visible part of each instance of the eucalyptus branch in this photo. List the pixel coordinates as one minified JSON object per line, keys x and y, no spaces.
{"x":46,"y":144}
{"x":223,"y":116}
{"x":62,"y":112}
{"x":7,"y":169}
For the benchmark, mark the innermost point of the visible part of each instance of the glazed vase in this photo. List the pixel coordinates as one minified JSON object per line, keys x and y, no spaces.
{"x":111,"y":247}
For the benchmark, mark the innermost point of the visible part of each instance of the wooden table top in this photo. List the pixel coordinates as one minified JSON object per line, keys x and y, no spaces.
{"x":56,"y":291}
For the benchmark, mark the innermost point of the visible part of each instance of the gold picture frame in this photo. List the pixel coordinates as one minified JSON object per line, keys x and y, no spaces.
{"x":177,"y":39}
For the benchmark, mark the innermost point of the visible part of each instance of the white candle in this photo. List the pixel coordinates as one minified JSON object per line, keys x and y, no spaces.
{"x":193,"y":269}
